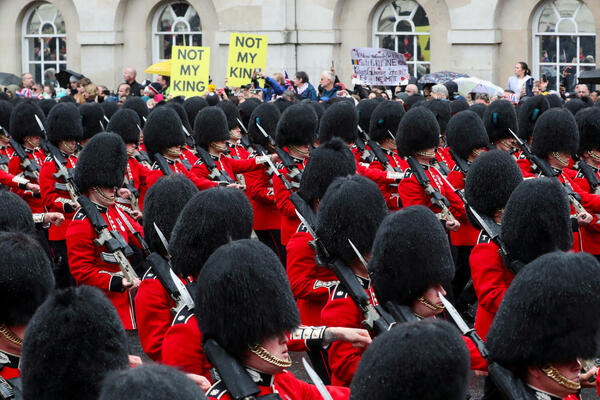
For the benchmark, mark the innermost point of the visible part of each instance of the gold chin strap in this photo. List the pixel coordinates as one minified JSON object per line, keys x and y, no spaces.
{"x":174,"y":153}
{"x":66,"y":148}
{"x":429,"y":304}
{"x":299,"y":150}
{"x":219,"y":147}
{"x":270,"y":358}
{"x":425,"y":153}
{"x":10,"y":335}
{"x":101,"y":194}
{"x":593,"y":155}
{"x":561,"y":160}
{"x":477,"y":152}
{"x":31,"y":143}
{"x":554,"y":374}
{"x":235,"y":135}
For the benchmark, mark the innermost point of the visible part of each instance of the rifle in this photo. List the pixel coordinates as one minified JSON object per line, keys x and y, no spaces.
{"x":214,"y":173}
{"x":546,"y":170}
{"x":135,"y":233}
{"x":375,"y":318}
{"x":435,"y":196}
{"x":162,"y":163}
{"x":63,"y":172}
{"x":461,"y":163}
{"x":43,"y":142}
{"x":31,"y":169}
{"x":443,"y":167}
{"x":511,"y":387}
{"x":589,"y":174}
{"x":117,"y":247}
{"x":294,"y":175}
{"x":189,"y":139}
{"x":365,"y":154}
{"x":142,"y":158}
{"x":171,"y":282}
{"x":244,"y":139}
{"x":133,"y":194}
{"x":381,"y":157}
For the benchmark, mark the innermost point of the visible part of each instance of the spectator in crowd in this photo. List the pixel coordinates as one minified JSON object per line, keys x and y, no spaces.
{"x":26,"y":81}
{"x":521,"y":82}
{"x":103,"y":92}
{"x":303,"y":86}
{"x":37,"y":89}
{"x":328,"y":86}
{"x":482,"y":98}
{"x":439,"y":91}
{"x":411,"y":89}
{"x":594,"y":95}
{"x":164,"y":81}
{"x":49,"y":91}
{"x":50,"y":77}
{"x":123,"y":91}
{"x":129,"y":77}
{"x":582,"y":90}
{"x":81,"y":84}
{"x":274,"y":86}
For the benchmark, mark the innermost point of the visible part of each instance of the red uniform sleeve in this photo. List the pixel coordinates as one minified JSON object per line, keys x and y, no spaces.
{"x":490,"y":277}
{"x":287,"y":384}
{"x":14,"y":168}
{"x":412,"y":194}
{"x":282,"y":197}
{"x":199,"y":176}
{"x":258,"y":187}
{"x":241,"y":166}
{"x":182,"y":348}
{"x":376,"y":175}
{"x":153,"y":316}
{"x":525,"y":166}
{"x":51,"y":195}
{"x":478,"y":363}
{"x":6,"y":179}
{"x":343,"y":357}
{"x":456,"y":179}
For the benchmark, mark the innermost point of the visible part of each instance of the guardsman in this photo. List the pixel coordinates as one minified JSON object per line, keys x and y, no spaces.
{"x":92,"y":119}
{"x":100,"y":170}
{"x":138,"y":105}
{"x":64,"y":131}
{"x":528,"y":114}
{"x":187,"y":150}
{"x":442,"y":111}
{"x":236,"y":150}
{"x":499,"y":119}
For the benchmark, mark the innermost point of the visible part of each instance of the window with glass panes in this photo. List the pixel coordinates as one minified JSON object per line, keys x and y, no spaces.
{"x":564,"y":42}
{"x":175,"y":24}
{"x":403,"y":26}
{"x":44,"y":43}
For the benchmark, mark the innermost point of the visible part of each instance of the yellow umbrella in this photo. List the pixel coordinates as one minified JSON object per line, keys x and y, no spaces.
{"x":160,"y":68}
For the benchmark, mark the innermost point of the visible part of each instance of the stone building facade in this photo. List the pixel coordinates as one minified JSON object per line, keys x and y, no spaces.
{"x":484,"y":38}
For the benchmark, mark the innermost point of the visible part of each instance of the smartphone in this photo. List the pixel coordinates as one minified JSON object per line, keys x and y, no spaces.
{"x":332,"y":64}
{"x":544,"y":78}
{"x":257,"y":70}
{"x":256,"y":91}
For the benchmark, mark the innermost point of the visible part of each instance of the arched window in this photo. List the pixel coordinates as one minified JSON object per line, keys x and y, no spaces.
{"x":44,"y":42}
{"x":564,"y":42}
{"x":174,"y":24}
{"x":403,"y":26}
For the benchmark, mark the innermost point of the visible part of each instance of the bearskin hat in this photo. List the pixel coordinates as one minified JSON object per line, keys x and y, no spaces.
{"x":339,"y":120}
{"x":418,"y":130}
{"x":491,"y":179}
{"x":178,"y":107}
{"x":318,"y":109}
{"x":64,"y":123}
{"x":231,"y":112}
{"x":414,"y":101}
{"x":465,"y":133}
{"x":442,"y":111}
{"x":162,"y":204}
{"x":126,"y":124}
{"x":15,"y":214}
{"x":92,"y":119}
{"x":210,"y":126}
{"x":282,"y":104}
{"x":325,"y":163}
{"x":109,"y":108}
{"x":554,"y":100}
{"x":267,"y":116}
{"x":452,"y":88}
{"x":163,"y":130}
{"x":536,"y":220}
{"x":435,"y":352}
{"x":150,"y":382}
{"x":410,"y":253}
{"x":479,"y":109}
{"x":81,"y":337}
{"x":458,"y":105}
{"x":102,"y":162}
{"x":499,"y":117}
{"x":212,"y":217}
{"x":23,"y":122}
{"x":246,"y":108}
{"x":138,"y":105}
{"x":67,"y":99}
{"x":6,"y":108}
{"x":365,"y":109}
{"x":351,"y":209}
{"x":529,"y":112}
{"x":539,"y":321}
{"x":588,"y":123}
{"x":385,"y":120}
{"x":244,"y":284}
{"x":555,"y":130}
{"x":297,"y":125}
{"x":192,"y":106}
{"x":575,"y":105}
{"x":26,"y":278}
{"x":46,"y":105}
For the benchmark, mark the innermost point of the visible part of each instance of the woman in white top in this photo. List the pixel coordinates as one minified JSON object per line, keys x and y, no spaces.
{"x":521,"y":80}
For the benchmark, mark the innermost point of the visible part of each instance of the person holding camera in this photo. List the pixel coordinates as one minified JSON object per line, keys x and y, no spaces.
{"x":273,"y":85}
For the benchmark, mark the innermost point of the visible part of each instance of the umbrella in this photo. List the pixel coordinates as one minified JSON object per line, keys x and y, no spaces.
{"x":160,"y":68}
{"x":470,"y":85}
{"x":591,"y":76}
{"x":9,"y":79}
{"x":440,"y":77}
{"x":64,"y":76}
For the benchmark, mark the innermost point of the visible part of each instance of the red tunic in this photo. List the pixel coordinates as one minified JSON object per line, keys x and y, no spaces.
{"x":590,"y":234}
{"x":14,"y":167}
{"x":443,"y":155}
{"x":340,"y":310}
{"x":10,"y":369}
{"x":9,"y":180}
{"x":188,"y":155}
{"x":230,"y":165}
{"x":310,"y":283}
{"x":467,"y":234}
{"x":412,"y":194}
{"x":491,"y":279}
{"x":237,"y":151}
{"x":289,"y":219}
{"x":88,"y":268}
{"x":54,"y":199}
{"x":153,"y":314}
{"x":178,"y":168}
{"x":259,"y":189}
{"x":390,"y":191}
{"x":137,"y":174}
{"x":285,"y":384}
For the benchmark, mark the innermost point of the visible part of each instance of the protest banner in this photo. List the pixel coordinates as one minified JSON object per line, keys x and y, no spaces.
{"x":189,"y":70}
{"x":246,"y":53}
{"x":378,"y":66}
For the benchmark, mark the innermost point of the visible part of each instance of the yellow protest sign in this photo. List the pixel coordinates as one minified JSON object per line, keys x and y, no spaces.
{"x":189,"y":70}
{"x":246,"y":53}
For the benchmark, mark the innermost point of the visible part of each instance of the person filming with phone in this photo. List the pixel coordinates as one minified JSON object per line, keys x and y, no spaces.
{"x":522,"y":81}
{"x":273,"y":85}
